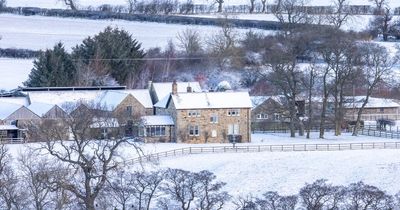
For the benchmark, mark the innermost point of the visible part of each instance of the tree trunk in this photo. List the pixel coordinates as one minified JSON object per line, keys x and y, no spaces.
{"x":251,"y":6}
{"x":323,"y":117}
{"x":220,"y":6}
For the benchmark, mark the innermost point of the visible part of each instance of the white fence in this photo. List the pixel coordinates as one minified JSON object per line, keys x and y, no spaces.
{"x":265,"y":148}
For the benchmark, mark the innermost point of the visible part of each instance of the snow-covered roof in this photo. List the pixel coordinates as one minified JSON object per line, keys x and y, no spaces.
{"x":258,"y":100}
{"x":63,"y":97}
{"x":372,"y":102}
{"x":40,"y":108}
{"x":142,"y":95}
{"x":110,"y":99}
{"x":15,"y":100}
{"x":163,"y":102}
{"x":211,"y":100}
{"x":8,"y":127}
{"x":157,"y":120}
{"x":163,"y":89}
{"x":6,"y":109}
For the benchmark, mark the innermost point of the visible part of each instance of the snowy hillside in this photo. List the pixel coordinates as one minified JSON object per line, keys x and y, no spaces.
{"x":96,"y":3}
{"x":285,"y":172}
{"x":13,"y":72}
{"x":28,"y":31}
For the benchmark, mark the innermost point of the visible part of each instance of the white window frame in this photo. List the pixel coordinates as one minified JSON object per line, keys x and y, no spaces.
{"x":277,"y":116}
{"x":214,"y":118}
{"x":193,"y":113}
{"x":233,"y":129}
{"x":155,"y":131}
{"x":262,"y":116}
{"x":214,"y":133}
{"x":194,"y":130}
{"x":233,"y":112}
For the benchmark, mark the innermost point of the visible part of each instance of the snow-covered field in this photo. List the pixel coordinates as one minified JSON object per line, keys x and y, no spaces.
{"x":38,"y":32}
{"x":13,"y":72}
{"x":96,"y":3}
{"x":285,"y":172}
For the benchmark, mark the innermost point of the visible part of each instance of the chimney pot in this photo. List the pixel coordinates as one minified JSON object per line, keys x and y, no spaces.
{"x":174,"y":88}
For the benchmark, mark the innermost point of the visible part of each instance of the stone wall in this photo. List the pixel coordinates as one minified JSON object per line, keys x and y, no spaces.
{"x":207,"y":128}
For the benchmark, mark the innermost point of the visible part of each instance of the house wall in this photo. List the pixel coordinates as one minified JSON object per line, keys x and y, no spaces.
{"x":169,"y":131}
{"x":55,"y":113}
{"x":206,"y":128}
{"x":269,"y":107}
{"x":138,"y":109}
{"x":372,"y":114}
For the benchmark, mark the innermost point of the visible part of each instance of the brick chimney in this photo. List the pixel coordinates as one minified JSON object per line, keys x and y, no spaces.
{"x":189,"y":89}
{"x":174,"y":88}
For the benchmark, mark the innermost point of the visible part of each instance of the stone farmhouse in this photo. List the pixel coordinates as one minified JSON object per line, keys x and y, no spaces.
{"x":202,"y":117}
{"x":189,"y":115}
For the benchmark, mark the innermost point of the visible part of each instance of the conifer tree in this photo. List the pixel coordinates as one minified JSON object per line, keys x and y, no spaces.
{"x":111,"y":52}
{"x":53,"y":68}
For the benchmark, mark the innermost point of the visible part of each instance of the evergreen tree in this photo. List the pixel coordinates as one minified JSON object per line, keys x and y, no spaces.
{"x":53,"y":68}
{"x":111,"y":52}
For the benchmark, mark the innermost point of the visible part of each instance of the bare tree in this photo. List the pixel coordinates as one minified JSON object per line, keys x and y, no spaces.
{"x":274,"y":201}
{"x":363,"y":196}
{"x":180,"y":186}
{"x":379,"y":4}
{"x":223,"y":44}
{"x":340,"y":15}
{"x":220,"y":3}
{"x":264,"y":6}
{"x":309,"y":84}
{"x":290,"y":11}
{"x":86,"y":162}
{"x":36,"y":172}
{"x":247,"y":202}
{"x":320,"y":195}
{"x":210,"y":196}
{"x":251,"y":9}
{"x":190,"y":41}
{"x":340,"y":55}
{"x":131,"y":6}
{"x":381,"y":24}
{"x":70,"y":3}
{"x":376,"y":66}
{"x":11,"y":192}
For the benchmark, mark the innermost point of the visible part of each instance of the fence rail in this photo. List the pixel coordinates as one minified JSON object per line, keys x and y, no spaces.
{"x":12,"y":140}
{"x":393,"y":134}
{"x":265,"y":148}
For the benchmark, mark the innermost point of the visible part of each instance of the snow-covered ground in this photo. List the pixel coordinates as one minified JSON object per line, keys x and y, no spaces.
{"x":38,"y":32}
{"x":96,"y":3}
{"x":13,"y":72}
{"x":285,"y":172}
